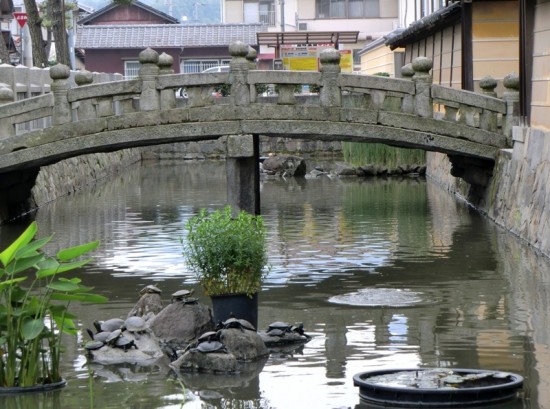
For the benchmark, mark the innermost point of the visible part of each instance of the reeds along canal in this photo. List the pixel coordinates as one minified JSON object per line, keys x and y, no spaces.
{"x":420,"y":280}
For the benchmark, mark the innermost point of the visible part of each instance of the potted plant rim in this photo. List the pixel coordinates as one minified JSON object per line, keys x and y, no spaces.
{"x":229,"y":257}
{"x":35,"y":294}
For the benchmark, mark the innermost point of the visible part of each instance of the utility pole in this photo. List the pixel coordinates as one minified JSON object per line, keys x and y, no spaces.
{"x":282,"y":3}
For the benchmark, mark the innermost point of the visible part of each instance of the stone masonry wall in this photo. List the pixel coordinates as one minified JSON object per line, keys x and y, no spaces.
{"x":518,"y":198}
{"x":70,"y":175}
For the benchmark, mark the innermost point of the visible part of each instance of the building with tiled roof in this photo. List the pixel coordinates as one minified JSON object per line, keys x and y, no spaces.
{"x":114,"y":47}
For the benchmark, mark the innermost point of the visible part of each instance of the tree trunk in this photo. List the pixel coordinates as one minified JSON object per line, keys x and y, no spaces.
{"x":34,"y":21}
{"x":59,"y":32}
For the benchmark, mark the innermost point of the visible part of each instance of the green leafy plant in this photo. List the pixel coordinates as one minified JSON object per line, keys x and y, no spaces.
{"x":228,"y":254}
{"x":34,"y":318}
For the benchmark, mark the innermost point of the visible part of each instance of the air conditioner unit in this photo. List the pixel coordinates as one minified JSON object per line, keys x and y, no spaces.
{"x":302,"y":26}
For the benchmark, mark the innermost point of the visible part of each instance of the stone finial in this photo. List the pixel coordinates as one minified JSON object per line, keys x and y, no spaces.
{"x":511,"y":81}
{"x":59,"y":72}
{"x":252,"y":54}
{"x":238,"y":49}
{"x":422,"y":65}
{"x":251,"y":57}
{"x":83,"y":77}
{"x":165,"y":63}
{"x":329,"y":56}
{"x":407,"y":71}
{"x":148,"y":56}
{"x":488,"y":85}
{"x":6,"y":93}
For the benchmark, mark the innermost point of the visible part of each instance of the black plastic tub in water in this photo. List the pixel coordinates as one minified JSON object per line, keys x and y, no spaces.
{"x":436,"y":387}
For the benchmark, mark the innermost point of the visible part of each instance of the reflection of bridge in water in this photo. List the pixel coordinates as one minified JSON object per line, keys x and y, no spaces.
{"x":470,"y":128}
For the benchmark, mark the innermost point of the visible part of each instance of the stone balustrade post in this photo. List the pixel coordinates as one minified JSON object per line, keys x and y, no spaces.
{"x":487,"y":119}
{"x":6,"y":96}
{"x":407,"y":73}
{"x":423,"y":105}
{"x":239,"y":66}
{"x":167,"y":96}
{"x":251,"y":58}
{"x":84,"y":109}
{"x":511,"y":97}
{"x":60,"y":73}
{"x":149,"y":99}
{"x":330,"y":95}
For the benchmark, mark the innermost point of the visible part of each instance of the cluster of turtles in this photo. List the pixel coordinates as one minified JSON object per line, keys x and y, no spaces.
{"x":183,"y":296}
{"x":111,"y":333}
{"x":211,"y":341}
{"x":281,"y":329}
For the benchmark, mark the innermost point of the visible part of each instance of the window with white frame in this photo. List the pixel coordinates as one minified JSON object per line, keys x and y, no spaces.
{"x":131,"y":69}
{"x":348,"y":8}
{"x":191,"y":66}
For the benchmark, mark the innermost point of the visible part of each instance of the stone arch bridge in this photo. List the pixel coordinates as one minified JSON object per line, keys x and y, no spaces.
{"x":408,"y":112}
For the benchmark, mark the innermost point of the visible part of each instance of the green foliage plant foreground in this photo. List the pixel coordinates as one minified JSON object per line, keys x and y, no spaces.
{"x":34,"y":318}
{"x":228,"y":254}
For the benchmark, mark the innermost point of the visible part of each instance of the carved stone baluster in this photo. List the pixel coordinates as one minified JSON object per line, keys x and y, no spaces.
{"x":331,"y":95}
{"x":149,"y":99}
{"x":59,"y":73}
{"x":167,"y":96}
{"x":422,"y":78}
{"x":239,"y":65}
{"x":488,"y":119}
{"x":6,"y":126}
{"x":85,"y":109}
{"x":407,"y":105}
{"x":511,"y":96}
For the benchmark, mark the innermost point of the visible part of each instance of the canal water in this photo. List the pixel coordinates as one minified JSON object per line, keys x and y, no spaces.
{"x":383,"y":273}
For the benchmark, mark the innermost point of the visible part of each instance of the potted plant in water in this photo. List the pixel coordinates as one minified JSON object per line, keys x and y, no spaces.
{"x":33,"y":318}
{"x":229,"y":256}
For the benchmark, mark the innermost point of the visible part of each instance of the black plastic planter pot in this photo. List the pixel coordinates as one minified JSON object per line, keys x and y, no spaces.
{"x":472,"y":388}
{"x":16,"y":390}
{"x":236,"y":305}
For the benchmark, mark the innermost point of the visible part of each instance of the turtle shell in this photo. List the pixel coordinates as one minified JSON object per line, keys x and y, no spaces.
{"x":279,"y":325}
{"x":276,"y":332}
{"x":209,"y":336}
{"x":135,"y":324}
{"x":102,"y":336}
{"x":150,"y":289}
{"x":211,"y":346}
{"x":113,"y":336}
{"x":109,"y":325}
{"x":246,"y":325}
{"x":93,"y":345}
{"x":124,"y":343}
{"x":182,"y":294}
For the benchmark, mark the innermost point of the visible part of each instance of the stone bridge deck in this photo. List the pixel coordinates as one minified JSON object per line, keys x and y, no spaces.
{"x":411,"y":112}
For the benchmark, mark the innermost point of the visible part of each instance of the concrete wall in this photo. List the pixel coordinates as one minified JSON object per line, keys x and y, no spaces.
{"x":518,"y":196}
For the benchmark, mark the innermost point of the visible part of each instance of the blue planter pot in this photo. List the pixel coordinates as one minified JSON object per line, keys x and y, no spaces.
{"x":235,"y":305}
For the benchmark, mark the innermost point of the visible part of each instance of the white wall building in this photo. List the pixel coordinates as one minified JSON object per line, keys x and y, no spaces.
{"x":370,"y":18}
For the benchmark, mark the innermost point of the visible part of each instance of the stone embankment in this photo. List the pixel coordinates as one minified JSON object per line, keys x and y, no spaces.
{"x":519,"y":195}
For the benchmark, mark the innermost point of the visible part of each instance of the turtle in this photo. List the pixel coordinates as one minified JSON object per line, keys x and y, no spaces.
{"x":124,"y":343}
{"x":182,"y":295}
{"x":209,"y":336}
{"x":279,"y":325}
{"x":150,"y":289}
{"x":93,"y":345}
{"x":210,"y":346}
{"x":109,"y":325}
{"x":111,"y":339}
{"x":276,"y":332}
{"x":135,"y":324}
{"x":236,"y":323}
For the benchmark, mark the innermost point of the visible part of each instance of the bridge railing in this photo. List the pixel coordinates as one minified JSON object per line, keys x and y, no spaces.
{"x":157,"y":88}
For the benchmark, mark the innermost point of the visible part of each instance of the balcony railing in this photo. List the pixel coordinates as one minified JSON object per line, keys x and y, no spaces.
{"x":267,"y":17}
